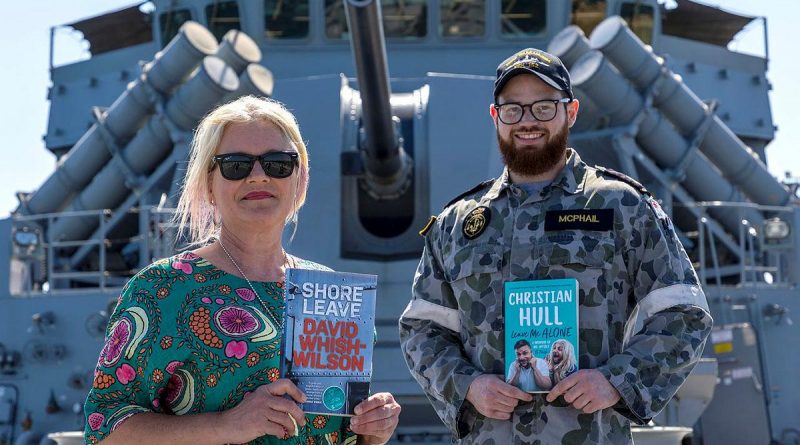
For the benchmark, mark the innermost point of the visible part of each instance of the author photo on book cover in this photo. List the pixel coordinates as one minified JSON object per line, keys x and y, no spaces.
{"x":550,"y":216}
{"x":532,"y":374}
{"x":527,"y":372}
{"x":561,"y":361}
{"x":193,"y":347}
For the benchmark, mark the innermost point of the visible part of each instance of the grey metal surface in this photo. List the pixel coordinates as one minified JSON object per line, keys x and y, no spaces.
{"x":601,"y":82}
{"x":569,"y":45}
{"x":687,"y":112}
{"x":123,"y":119}
{"x":109,"y":188}
{"x":660,"y":435}
{"x":256,"y":80}
{"x":693,"y":397}
{"x":384,"y":158}
{"x":238,"y":50}
{"x":741,"y":385}
{"x":175,"y":62}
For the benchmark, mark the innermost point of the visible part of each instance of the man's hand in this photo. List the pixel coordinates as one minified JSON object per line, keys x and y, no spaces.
{"x":494,"y":398}
{"x":587,"y":390}
{"x":375,"y":419}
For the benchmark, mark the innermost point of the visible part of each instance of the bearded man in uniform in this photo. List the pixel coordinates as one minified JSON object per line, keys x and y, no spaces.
{"x":551,"y":216}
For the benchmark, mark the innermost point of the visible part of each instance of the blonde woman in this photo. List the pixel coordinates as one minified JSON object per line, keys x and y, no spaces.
{"x":193,"y":346}
{"x":561,"y":360}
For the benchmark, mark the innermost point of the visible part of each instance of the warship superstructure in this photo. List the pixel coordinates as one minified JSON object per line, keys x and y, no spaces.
{"x":393,"y":102}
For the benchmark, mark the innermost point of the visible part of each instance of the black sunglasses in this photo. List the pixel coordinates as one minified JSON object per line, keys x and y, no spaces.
{"x":236,"y":166}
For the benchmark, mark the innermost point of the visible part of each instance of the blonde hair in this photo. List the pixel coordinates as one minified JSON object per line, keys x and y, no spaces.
{"x":194,"y":213}
{"x":568,"y":362}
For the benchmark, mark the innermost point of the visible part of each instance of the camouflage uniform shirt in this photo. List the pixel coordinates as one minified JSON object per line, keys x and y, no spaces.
{"x":452,"y":330}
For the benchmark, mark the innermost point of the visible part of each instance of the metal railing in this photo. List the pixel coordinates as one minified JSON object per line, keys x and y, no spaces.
{"x":157,"y":238}
{"x":756,"y":255}
{"x":30,"y":255}
{"x":44,"y":266}
{"x":161,"y":239}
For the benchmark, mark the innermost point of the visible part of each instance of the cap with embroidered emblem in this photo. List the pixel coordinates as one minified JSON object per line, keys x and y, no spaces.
{"x":533,"y":61}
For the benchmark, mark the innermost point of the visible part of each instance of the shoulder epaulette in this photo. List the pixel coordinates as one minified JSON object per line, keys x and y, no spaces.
{"x":478,"y":187}
{"x":624,"y":178}
{"x":427,"y":228}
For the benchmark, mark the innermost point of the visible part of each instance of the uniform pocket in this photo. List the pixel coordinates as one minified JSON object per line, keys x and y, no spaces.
{"x":588,"y":259}
{"x":579,"y":252}
{"x":475,"y":276}
{"x":472,"y":260}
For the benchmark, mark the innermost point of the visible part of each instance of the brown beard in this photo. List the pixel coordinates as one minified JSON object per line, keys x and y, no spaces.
{"x":528,"y":162}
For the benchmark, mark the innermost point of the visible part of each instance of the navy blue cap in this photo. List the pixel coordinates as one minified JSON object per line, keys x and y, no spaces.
{"x":533,"y":61}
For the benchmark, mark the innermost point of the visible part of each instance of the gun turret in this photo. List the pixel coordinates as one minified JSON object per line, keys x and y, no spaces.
{"x":386,"y":163}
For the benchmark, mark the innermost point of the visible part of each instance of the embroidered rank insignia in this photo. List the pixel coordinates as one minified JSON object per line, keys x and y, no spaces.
{"x":582,"y":219}
{"x":476,"y":222}
{"x":428,"y":226}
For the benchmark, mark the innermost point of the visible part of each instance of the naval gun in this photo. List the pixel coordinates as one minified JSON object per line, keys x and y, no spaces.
{"x":386,"y":164}
{"x":379,"y":175}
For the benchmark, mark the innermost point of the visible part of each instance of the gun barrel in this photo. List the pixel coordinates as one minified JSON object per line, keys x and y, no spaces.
{"x":382,"y":149}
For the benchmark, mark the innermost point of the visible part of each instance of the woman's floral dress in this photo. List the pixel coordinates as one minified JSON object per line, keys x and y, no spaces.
{"x":187,"y":338}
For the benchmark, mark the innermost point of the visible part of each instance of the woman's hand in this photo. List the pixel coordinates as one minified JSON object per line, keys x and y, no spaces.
{"x":265,"y":411}
{"x":375,"y":419}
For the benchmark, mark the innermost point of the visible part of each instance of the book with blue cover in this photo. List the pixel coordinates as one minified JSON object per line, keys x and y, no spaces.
{"x":329,"y":333}
{"x":541,"y":332}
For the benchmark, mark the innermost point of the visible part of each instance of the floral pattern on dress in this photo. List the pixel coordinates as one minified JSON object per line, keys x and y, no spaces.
{"x":235,"y":321}
{"x":120,"y":334}
{"x":217,"y":345}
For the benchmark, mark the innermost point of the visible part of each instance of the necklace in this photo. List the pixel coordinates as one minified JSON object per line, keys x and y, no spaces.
{"x":286,"y":261}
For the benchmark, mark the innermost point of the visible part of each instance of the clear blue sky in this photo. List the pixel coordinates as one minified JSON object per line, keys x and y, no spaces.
{"x":24,"y":80}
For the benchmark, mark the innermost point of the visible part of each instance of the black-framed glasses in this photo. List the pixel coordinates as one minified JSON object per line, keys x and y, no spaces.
{"x":541,"y":110}
{"x":236,"y":166}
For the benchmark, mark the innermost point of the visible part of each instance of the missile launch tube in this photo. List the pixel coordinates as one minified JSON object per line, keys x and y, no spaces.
{"x":123,"y":119}
{"x":569,"y":45}
{"x":238,"y":50}
{"x":687,"y":112}
{"x":593,"y":75}
{"x":193,"y":100}
{"x":254,"y":80}
{"x":383,"y":155}
{"x":175,"y":62}
{"x":148,"y":148}
{"x":589,"y":114}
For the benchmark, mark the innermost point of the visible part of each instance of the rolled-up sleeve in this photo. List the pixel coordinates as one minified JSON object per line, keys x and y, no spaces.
{"x":431,"y":343}
{"x":656,"y":360}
